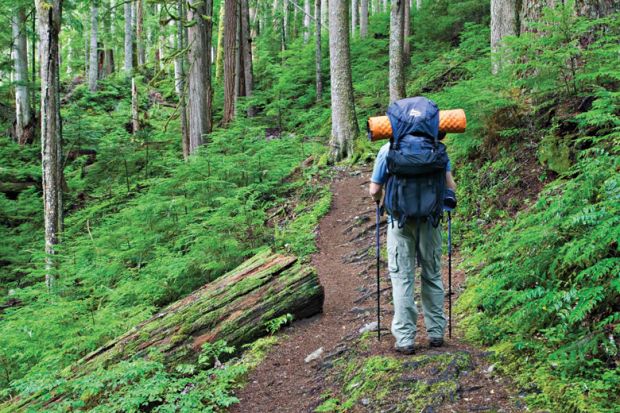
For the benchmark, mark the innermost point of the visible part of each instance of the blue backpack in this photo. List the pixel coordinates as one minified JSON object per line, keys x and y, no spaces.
{"x":416,"y":162}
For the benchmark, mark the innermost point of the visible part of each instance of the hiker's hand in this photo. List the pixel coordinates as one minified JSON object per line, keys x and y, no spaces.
{"x":449,"y":199}
{"x":375,"y":191}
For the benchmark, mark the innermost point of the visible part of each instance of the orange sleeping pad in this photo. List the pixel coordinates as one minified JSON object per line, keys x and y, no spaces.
{"x":450,"y":121}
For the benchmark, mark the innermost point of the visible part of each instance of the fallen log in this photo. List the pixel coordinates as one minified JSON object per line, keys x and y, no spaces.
{"x":234,"y":308}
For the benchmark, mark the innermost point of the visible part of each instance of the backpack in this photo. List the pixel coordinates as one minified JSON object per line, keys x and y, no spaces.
{"x":416,"y":162}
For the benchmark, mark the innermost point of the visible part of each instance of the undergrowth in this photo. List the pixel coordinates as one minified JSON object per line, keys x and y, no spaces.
{"x":537,"y":174}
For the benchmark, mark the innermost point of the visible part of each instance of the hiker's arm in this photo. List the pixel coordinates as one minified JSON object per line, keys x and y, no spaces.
{"x":376,"y":191}
{"x":450,"y":181}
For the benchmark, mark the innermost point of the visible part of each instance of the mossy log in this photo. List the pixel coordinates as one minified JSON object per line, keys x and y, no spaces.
{"x":234,"y":308}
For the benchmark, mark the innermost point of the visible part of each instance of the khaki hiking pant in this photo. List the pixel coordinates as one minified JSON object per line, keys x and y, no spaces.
{"x":401,"y":245}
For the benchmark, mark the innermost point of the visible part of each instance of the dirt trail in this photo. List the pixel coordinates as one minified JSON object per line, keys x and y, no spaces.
{"x":284,"y":382}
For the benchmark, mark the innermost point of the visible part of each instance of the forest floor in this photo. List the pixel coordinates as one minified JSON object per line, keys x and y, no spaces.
{"x":355,"y":372}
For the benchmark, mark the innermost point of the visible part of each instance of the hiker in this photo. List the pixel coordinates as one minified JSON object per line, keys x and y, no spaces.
{"x":415,"y":169}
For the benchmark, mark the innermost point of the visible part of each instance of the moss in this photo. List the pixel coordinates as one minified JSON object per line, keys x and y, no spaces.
{"x":555,"y":153}
{"x":256,"y":352}
{"x":381,"y":382}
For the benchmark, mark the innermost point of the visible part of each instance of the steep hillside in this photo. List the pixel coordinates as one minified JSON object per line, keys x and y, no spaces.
{"x":537,"y":226}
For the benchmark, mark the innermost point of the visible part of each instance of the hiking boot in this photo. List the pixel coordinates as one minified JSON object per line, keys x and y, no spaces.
{"x":407,"y":350}
{"x":436,"y":341}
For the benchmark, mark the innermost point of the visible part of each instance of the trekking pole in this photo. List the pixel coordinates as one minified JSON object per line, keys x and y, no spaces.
{"x":449,"y":274}
{"x":378,"y":252}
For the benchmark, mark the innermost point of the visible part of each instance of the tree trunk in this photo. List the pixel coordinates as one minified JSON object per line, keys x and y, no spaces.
{"x":596,"y":9}
{"x":128,"y":37}
{"x":396,"y":72}
{"x":318,"y":55}
{"x":49,"y":16}
{"x":291,"y":31}
{"x":108,"y":65}
{"x":284,"y":35}
{"x":418,"y":4}
{"x":246,"y":42}
{"x":253,"y":22}
{"x":324,"y":13}
{"x":179,"y":77}
{"x":364,"y":19}
{"x":135,"y":111}
{"x":286,"y":10}
{"x":93,"y":61}
{"x":230,"y":37}
{"x":235,"y":308}
{"x":100,"y":62}
{"x":23,"y":128}
{"x":33,"y":58}
{"x":307,"y":23}
{"x":199,"y":79}
{"x":140,"y":49}
{"x":503,"y":23}
{"x":406,"y":32}
{"x":219,"y":56}
{"x":344,"y":121}
{"x":354,"y":14}
{"x":239,"y":69}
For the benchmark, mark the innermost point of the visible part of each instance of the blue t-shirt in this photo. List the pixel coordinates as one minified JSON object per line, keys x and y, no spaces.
{"x":379,"y":172}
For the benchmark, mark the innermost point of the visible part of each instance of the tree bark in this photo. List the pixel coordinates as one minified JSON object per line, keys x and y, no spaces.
{"x":344,"y":121}
{"x":354,"y":15}
{"x":246,"y":41}
{"x":135,"y":112}
{"x":307,"y":23}
{"x":108,"y":66}
{"x":286,"y":18}
{"x":230,"y":37}
{"x":93,"y":61}
{"x":406,"y":32}
{"x":23,"y":128}
{"x":179,"y":77}
{"x":318,"y":54}
{"x":219,"y":53}
{"x":199,"y":79}
{"x":235,"y":308}
{"x":140,"y":49}
{"x":364,"y":19}
{"x":503,"y":23}
{"x":33,"y":58}
{"x":324,"y":13}
{"x":239,"y":69}
{"x":49,"y":16}
{"x":128,"y":37}
{"x":396,"y":72}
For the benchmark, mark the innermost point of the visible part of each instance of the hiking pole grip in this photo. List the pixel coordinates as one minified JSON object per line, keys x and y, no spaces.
{"x":449,"y":274}
{"x":378,"y":252}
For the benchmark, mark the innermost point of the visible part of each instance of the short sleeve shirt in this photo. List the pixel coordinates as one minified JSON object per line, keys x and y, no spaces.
{"x":380,"y":172}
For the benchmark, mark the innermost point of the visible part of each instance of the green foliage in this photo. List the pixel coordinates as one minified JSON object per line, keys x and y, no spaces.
{"x":136,"y":385}
{"x":277,"y":323}
{"x":439,"y":24}
{"x":550,"y":288}
{"x":143,"y":228}
{"x":543,"y":288}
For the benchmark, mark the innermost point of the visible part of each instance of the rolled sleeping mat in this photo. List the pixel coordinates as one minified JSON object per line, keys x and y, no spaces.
{"x":450,"y":121}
